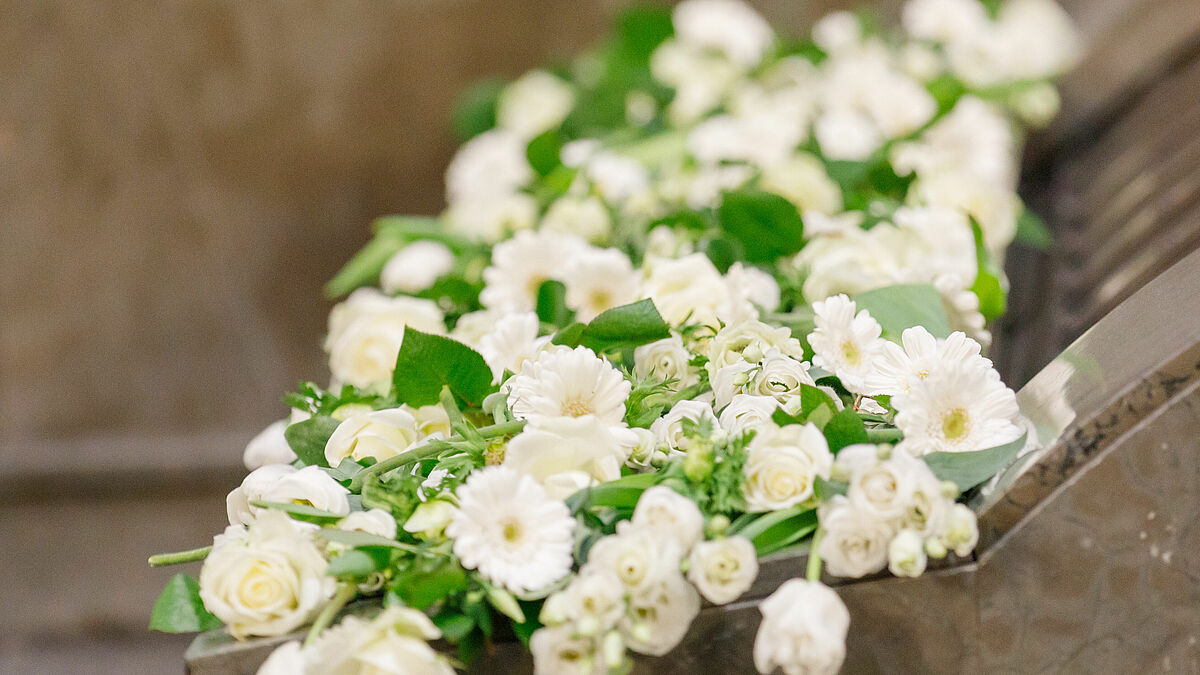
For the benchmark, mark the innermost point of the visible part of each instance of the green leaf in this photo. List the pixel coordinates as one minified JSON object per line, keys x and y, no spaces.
{"x":552,"y":303}
{"x":364,"y":268}
{"x":357,"y":539}
{"x":308,"y":438}
{"x":811,"y":398}
{"x":987,"y":287}
{"x":723,"y":252}
{"x":358,"y":563}
{"x":180,"y":610}
{"x":543,"y":152}
{"x":904,"y":306}
{"x":821,"y":415}
{"x":779,"y":529}
{"x":968,"y":469}
{"x":767,"y":225}
{"x":475,"y":111}
{"x":629,"y":325}
{"x":421,"y":588}
{"x":453,"y":626}
{"x":641,"y":29}
{"x":569,"y":335}
{"x":427,"y":362}
{"x":1032,"y":231}
{"x":844,"y":428}
{"x":825,"y":489}
{"x":622,"y":493}
{"x":413,"y":228}
{"x":304,"y":512}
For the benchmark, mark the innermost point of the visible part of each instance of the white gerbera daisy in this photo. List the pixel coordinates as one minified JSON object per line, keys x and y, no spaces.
{"x":511,"y":341}
{"x":568,"y":383}
{"x":597,"y":280}
{"x":521,"y":264}
{"x":511,"y":531}
{"x":957,"y":409}
{"x":844,"y":343}
{"x":896,"y":368}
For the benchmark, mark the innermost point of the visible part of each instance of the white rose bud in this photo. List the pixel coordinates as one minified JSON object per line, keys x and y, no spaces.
{"x":747,"y":412}
{"x":376,"y":521}
{"x":366,"y":330}
{"x":666,"y":359}
{"x":906,"y":554}
{"x":803,"y":630}
{"x":961,"y":530}
{"x":723,"y":569}
{"x":429,"y":520}
{"x":237,"y":503}
{"x":658,"y":619}
{"x":415,"y":267}
{"x":782,"y":466}
{"x":671,"y":514}
{"x":269,"y":447}
{"x":379,"y":434}
{"x":668,"y":429}
{"x":855,"y":544}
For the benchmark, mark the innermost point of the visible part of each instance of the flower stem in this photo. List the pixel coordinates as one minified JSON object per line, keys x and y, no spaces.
{"x":428,"y":450}
{"x":344,"y":594}
{"x":164,"y":559}
{"x":884,"y":435}
{"x":814,"y":558}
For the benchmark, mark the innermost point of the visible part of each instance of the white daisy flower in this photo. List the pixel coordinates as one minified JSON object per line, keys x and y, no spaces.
{"x":957,"y":409}
{"x":586,"y":217}
{"x":599,"y":279}
{"x":521,"y":264}
{"x":845,"y":343}
{"x":511,"y":341}
{"x":511,"y":531}
{"x":896,"y":368}
{"x":568,"y":383}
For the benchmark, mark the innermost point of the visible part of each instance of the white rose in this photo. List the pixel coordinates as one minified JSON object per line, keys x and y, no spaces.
{"x":641,"y":558}
{"x":882,"y":489}
{"x":488,"y":167}
{"x":731,"y":381}
{"x":415,"y":267}
{"x":429,"y":519}
{"x":585,"y":449}
{"x":254,"y":485}
{"x":803,"y":630}
{"x":671,"y":514}
{"x":536,"y":102}
{"x":659,"y":618}
{"x":782,"y":466}
{"x":379,"y":434}
{"x":689,"y":289}
{"x":747,"y":412}
{"x":595,"y":600}
{"x":780,"y":377}
{"x":666,"y":359}
{"x":723,"y":569}
{"x":287,"y":659}
{"x":927,"y":507}
{"x":961,"y":531}
{"x":749,"y":341}
{"x":393,"y":643}
{"x":855,"y":544}
{"x":375,"y":521}
{"x":906,"y":554}
{"x":559,"y":650}
{"x":311,"y":486}
{"x":268,"y":447}
{"x":366,"y":330}
{"x":432,"y":420}
{"x":668,"y":429}
{"x":269,"y":583}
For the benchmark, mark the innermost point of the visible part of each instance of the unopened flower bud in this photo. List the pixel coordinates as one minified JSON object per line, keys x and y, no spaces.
{"x":614,"y":650}
{"x":717,"y":525}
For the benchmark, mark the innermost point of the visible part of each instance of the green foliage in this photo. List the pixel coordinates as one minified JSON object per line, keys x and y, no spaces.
{"x":777,"y":530}
{"x":180,"y":610}
{"x":1032,"y":231}
{"x":364,"y":268}
{"x":359,"y":563}
{"x":395,"y":493}
{"x":543,"y":152}
{"x":314,"y":400}
{"x":622,"y":493}
{"x":968,"y":469}
{"x":427,"y":362}
{"x":811,"y":398}
{"x":904,"y":306}
{"x":987,"y":287}
{"x":552,"y":304}
{"x":308,"y":438}
{"x":475,"y":111}
{"x":647,"y":401}
{"x":826,"y":489}
{"x":303,"y":512}
{"x":766,"y":225}
{"x":844,"y":428}
{"x":629,"y":325}
{"x":428,"y":580}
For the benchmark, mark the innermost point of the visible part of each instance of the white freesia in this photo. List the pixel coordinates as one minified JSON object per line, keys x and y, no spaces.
{"x":668,"y":429}
{"x":536,"y":102}
{"x":689,"y":289}
{"x":415,"y":267}
{"x":366,"y":330}
{"x":511,"y":340}
{"x":845,"y":343}
{"x":268,"y":583}
{"x":782,"y":466}
{"x":374,"y":521}
{"x":568,"y":383}
{"x":659,"y":618}
{"x":671,"y":514}
{"x":803,"y":630}
{"x":962,"y":308}
{"x":379,"y":434}
{"x":906,"y":554}
{"x":566,"y":454}
{"x":598,"y":280}
{"x":269,"y":447}
{"x":641,"y":558}
{"x":961,"y":530}
{"x":521,"y":264}
{"x":731,"y":381}
{"x":429,"y":519}
{"x":957,"y":409}
{"x":747,"y":412}
{"x":395,"y":642}
{"x":511,"y":531}
{"x":666,"y":359}
{"x":723,"y":569}
{"x":855,"y":543}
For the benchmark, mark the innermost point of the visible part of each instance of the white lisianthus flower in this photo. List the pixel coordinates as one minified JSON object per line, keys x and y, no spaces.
{"x":287,"y":659}
{"x":415,"y":267}
{"x":961,"y":530}
{"x":395,"y":642}
{"x":595,"y":600}
{"x":780,"y":377}
{"x":568,"y":383}
{"x":897,"y":368}
{"x":536,"y":102}
{"x":749,"y":341}
{"x":490,"y":166}
{"x":379,"y":434}
{"x":521,"y":264}
{"x":310,"y":486}
{"x":597,"y":280}
{"x":585,"y":217}
{"x":509,"y":529}
{"x":559,"y":650}
{"x":747,"y":412}
{"x":733,"y":380}
{"x":727,"y":26}
{"x":269,"y":447}
{"x":375,"y":521}
{"x":269,"y":583}
{"x":687,"y":290}
{"x":641,"y":558}
{"x":365,"y":332}
{"x":906,"y":554}
{"x":658,"y":619}
{"x":782,"y":465}
{"x":976,"y":137}
{"x":254,"y":485}
{"x":668,"y":429}
{"x":567,"y":454}
{"x":429,"y":519}
{"x":882,"y":489}
{"x":511,"y":341}
{"x":957,"y":409}
{"x":671,"y":514}
{"x":723,"y":569}
{"x":666,"y":359}
{"x":995,"y":207}
{"x":803,"y":630}
{"x":844,"y":343}
{"x":803,"y":181}
{"x":855,"y":543}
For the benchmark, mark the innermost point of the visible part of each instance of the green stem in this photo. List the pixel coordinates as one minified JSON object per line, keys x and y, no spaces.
{"x":884,"y":435}
{"x":164,"y":559}
{"x":814,"y":558}
{"x":430,"y":449}
{"x":345,"y":593}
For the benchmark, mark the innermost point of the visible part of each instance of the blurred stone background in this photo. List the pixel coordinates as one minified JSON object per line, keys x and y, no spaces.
{"x":177,"y":181}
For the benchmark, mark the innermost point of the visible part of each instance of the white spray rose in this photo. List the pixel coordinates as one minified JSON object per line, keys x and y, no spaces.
{"x":379,"y":434}
{"x":666,"y":359}
{"x":287,"y":659}
{"x":668,"y":429}
{"x":780,"y":377}
{"x":595,"y":600}
{"x":882,"y":489}
{"x":749,"y":341}
{"x":558,"y":650}
{"x":488,"y":167}
{"x":393,"y":643}
{"x":658,"y":619}
{"x":566,"y":454}
{"x":723,"y":569}
{"x":906,"y":554}
{"x":375,"y":521}
{"x":803,"y":630}
{"x":641,"y":557}
{"x":747,"y":412}
{"x":855,"y":544}
{"x":782,"y":466}
{"x":269,"y":583}
{"x":257,"y":482}
{"x":366,"y":330}
{"x":415,"y":267}
{"x":269,"y":447}
{"x":671,"y":514}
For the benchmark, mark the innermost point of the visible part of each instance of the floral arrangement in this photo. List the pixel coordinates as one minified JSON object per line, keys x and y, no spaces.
{"x":703,"y":295}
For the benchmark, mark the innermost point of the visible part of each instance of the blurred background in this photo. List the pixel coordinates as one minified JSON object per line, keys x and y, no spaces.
{"x":178,"y":179}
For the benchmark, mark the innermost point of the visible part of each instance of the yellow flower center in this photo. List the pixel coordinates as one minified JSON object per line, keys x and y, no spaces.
{"x":850,"y":353}
{"x":576,"y":408}
{"x":511,"y":531}
{"x":955,"y":424}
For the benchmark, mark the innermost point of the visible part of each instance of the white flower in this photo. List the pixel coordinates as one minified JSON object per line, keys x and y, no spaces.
{"x":585,"y":217}
{"x":237,"y":503}
{"x":906,"y":554}
{"x":727,"y":26}
{"x":559,"y":650}
{"x":735,"y":379}
{"x":566,"y":454}
{"x":699,"y":77}
{"x":897,"y":369}
{"x":844,"y":343}
{"x":883,"y":489}
{"x":837,"y":31}
{"x":782,"y":465}
{"x":747,"y":412}
{"x":749,"y":341}
{"x":645,"y":452}
{"x":957,"y":409}
{"x":568,"y":383}
{"x":432,"y":420}
{"x":723,"y":569}
{"x":671,"y":514}
{"x":490,"y":166}
{"x":490,"y":218}
{"x":393,"y":643}
{"x":366,"y":330}
{"x":781,"y":377}
{"x":511,"y":531}
{"x":284,"y":484}
{"x":1036,"y":105}
{"x":803,"y":630}
{"x":944,"y":20}
{"x":536,"y":102}
{"x":375,"y":521}
{"x":617,"y":177}
{"x":415,"y":267}
{"x":511,"y":340}
{"x":962,"y":308}
{"x":659,"y":618}
{"x":803,"y":181}
{"x":521,"y":264}
{"x":847,"y":134}
{"x":472,"y":326}
{"x":689,"y":289}
{"x":596,"y":597}
{"x":668,"y":429}
{"x":597,"y":280}
{"x":269,"y":447}
{"x":269,"y":583}
{"x":961,"y":530}
{"x":666,"y":359}
{"x":641,"y":558}
{"x":749,"y":287}
{"x":379,"y":434}
{"x":429,"y":519}
{"x":286,"y":659}
{"x":855,"y":543}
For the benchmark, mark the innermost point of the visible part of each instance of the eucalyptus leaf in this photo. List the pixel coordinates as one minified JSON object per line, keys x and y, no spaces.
{"x":427,"y":362}
{"x":968,"y":469}
{"x":767,"y":225}
{"x":308,"y":438}
{"x":180,"y":610}
{"x":897,"y":308}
